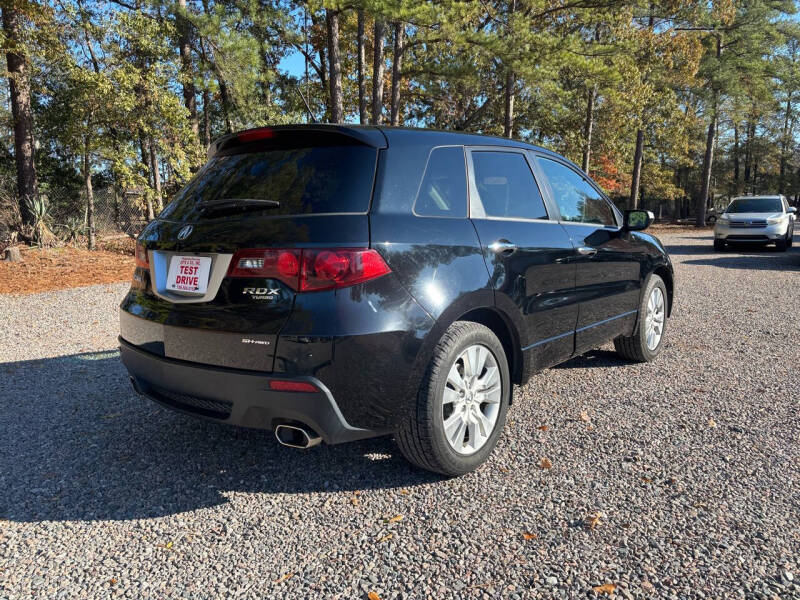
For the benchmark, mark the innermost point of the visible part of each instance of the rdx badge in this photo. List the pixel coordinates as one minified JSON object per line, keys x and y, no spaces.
{"x":261,"y":293}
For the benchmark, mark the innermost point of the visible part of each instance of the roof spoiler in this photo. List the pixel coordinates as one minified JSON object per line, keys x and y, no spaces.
{"x":369,"y":136}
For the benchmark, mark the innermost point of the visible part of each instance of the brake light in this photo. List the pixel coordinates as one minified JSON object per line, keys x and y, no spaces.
{"x":310,"y":269}
{"x":325,"y":269}
{"x":264,"y":133}
{"x":140,"y":257}
{"x":283,"y":265}
{"x":283,"y":385}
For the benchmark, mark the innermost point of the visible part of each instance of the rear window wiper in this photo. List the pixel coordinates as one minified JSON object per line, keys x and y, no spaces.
{"x":226,"y":202}
{"x":231,"y":205}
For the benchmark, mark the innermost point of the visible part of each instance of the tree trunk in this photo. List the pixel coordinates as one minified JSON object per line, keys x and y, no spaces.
{"x":335,"y":66}
{"x":708,"y":160}
{"x":748,"y":154}
{"x":20,"y":92}
{"x":145,"y":158}
{"x":587,"y":129}
{"x":637,"y":169}
{"x":785,"y":144}
{"x":377,"y":73}
{"x":187,"y":71}
{"x":508,"y":117}
{"x":206,"y":117}
{"x":225,"y":99}
{"x":736,"y":157}
{"x":397,"y":69}
{"x":87,"y":178}
{"x":363,"y":114}
{"x":156,"y":175}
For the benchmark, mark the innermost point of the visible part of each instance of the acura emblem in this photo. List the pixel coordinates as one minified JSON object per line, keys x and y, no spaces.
{"x":185,"y":232}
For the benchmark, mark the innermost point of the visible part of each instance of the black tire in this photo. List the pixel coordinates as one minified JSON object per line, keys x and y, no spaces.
{"x":719,"y":245}
{"x":420,"y":436}
{"x":790,"y":239}
{"x":782,"y":244}
{"x":634,"y":347}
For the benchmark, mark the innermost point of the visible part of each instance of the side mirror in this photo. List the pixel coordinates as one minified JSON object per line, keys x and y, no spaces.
{"x":637,"y":220}
{"x":791,"y":210}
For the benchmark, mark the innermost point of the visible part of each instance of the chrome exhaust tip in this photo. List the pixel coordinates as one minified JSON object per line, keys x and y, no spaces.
{"x":296,"y":436}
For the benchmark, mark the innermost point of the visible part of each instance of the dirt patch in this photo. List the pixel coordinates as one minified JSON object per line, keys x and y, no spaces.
{"x":57,"y":268}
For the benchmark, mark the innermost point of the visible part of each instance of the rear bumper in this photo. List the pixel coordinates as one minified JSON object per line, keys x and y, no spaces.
{"x":236,"y":397}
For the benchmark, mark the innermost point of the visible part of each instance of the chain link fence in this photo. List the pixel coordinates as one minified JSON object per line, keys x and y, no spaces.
{"x":116,"y":211}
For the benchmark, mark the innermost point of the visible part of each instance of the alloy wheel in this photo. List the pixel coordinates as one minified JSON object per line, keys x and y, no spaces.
{"x":654,"y":319}
{"x":471,"y":401}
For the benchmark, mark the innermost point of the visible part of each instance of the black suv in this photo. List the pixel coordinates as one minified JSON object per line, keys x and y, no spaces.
{"x":337,"y":283}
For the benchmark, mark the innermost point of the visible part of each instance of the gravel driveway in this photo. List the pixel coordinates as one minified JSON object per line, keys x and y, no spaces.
{"x":678,"y":479}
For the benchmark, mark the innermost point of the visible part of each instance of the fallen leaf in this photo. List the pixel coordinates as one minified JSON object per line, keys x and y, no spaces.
{"x":606,"y":588}
{"x":354,"y":500}
{"x":546,"y":463}
{"x":503,"y":470}
{"x":712,"y":423}
{"x":647,"y":480}
{"x":585,"y":416}
{"x":284,"y":578}
{"x":113,"y":581}
{"x":594,"y":520}
{"x":395,"y":519}
{"x":527,"y":536}
{"x":405,"y":492}
{"x":385,"y":538}
{"x":168,"y":545}
{"x":373,"y":596}
{"x":542,"y":428}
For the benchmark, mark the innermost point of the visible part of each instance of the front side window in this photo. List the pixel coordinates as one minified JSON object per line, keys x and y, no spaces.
{"x":443,"y":192}
{"x":506,"y":186}
{"x":577,"y":200}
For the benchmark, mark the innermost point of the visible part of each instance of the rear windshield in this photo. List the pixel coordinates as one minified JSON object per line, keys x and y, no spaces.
{"x":755,"y":205}
{"x":293,"y":181}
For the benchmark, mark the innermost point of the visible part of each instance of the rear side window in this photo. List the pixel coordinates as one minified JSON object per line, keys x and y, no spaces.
{"x":577,"y":200}
{"x":298,"y":181}
{"x":443,"y":192}
{"x":506,"y":186}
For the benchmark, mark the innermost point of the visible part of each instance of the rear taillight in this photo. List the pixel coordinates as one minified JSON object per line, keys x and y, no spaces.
{"x":310,"y":269}
{"x":283,"y":265}
{"x":140,"y":256}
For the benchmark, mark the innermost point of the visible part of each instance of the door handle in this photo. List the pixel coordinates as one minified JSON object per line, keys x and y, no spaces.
{"x":503,"y":247}
{"x":586,"y":251}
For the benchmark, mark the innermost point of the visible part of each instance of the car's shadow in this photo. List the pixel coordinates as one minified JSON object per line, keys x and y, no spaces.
{"x":767,"y":259}
{"x":76,"y":443}
{"x":594,"y":359}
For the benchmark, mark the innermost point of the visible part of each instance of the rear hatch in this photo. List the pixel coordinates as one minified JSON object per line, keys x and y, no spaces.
{"x":222,"y":259}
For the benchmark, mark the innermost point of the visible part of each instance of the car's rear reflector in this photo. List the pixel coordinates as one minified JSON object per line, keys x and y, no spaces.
{"x":283,"y":385}
{"x":310,"y":269}
{"x":140,"y":257}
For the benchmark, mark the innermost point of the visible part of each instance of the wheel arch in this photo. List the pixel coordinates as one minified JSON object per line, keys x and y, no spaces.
{"x":666,"y":274}
{"x":505,"y":331}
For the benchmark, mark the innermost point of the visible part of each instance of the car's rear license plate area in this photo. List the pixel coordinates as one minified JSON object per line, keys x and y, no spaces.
{"x":188,"y":274}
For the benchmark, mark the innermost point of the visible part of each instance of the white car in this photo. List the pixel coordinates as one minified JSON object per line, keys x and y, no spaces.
{"x":757,"y":220}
